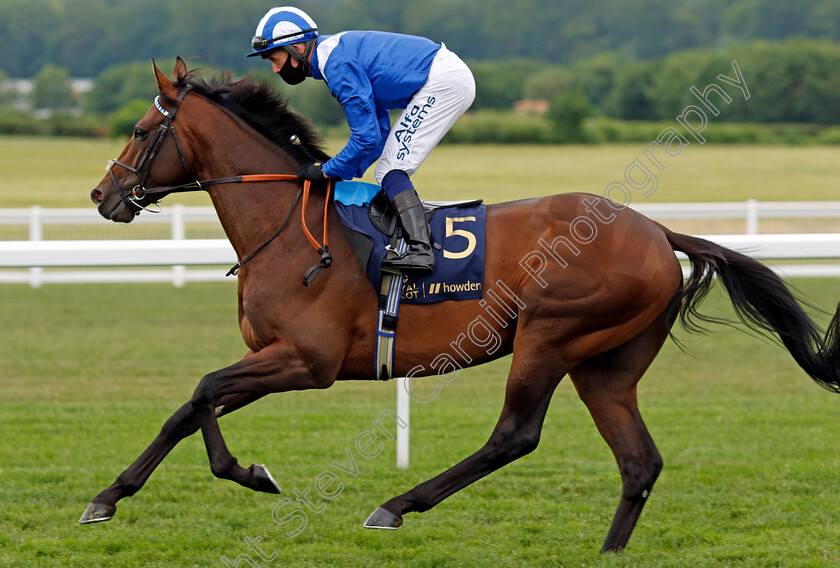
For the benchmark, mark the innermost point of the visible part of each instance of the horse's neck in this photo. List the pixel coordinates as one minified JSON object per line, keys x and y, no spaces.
{"x":249,"y":212}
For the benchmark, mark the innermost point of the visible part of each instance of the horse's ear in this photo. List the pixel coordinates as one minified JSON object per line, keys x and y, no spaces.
{"x":164,"y":85}
{"x":180,"y":70}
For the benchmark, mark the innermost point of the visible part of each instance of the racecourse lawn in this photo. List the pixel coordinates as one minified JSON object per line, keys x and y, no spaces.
{"x":60,"y":172}
{"x":90,"y":373}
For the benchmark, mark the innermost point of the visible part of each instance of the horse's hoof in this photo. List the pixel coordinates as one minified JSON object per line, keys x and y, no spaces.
{"x":383,"y":519}
{"x":265,"y":481}
{"x":96,"y":513}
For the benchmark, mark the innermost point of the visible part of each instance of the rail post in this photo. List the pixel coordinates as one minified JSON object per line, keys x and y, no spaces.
{"x":403,"y":406}
{"x":179,"y":233}
{"x":752,"y":217}
{"x":36,"y":233}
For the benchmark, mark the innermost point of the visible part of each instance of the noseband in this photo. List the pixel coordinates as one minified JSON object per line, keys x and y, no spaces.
{"x":144,"y":166}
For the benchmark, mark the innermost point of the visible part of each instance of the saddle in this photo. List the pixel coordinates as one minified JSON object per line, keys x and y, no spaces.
{"x":374,"y":233}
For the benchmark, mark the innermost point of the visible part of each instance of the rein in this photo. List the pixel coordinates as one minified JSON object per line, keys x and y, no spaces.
{"x":322,"y":249}
{"x":140,"y":192}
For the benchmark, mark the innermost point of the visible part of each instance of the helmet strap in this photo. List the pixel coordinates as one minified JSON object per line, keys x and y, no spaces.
{"x":302,"y":58}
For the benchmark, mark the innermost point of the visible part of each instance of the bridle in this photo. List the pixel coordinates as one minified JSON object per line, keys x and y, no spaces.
{"x":139,"y":192}
{"x":144,"y":166}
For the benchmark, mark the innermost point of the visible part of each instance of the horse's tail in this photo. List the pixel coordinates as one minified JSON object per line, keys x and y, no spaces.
{"x":762,"y":302}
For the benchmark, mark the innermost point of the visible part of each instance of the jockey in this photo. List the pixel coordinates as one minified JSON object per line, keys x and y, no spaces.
{"x":369,"y":73}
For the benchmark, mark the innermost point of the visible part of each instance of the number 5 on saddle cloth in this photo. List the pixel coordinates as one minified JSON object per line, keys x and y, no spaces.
{"x":458,"y":234}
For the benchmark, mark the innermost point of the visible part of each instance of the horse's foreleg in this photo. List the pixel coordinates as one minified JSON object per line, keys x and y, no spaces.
{"x":184,"y":422}
{"x":529,"y":388}
{"x":276,"y":368}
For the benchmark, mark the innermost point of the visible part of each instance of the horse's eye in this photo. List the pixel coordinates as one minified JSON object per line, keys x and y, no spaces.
{"x":139,"y":133}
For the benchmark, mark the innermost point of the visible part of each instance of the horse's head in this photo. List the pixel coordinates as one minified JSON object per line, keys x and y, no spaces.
{"x":254,"y":130}
{"x":153,"y":159}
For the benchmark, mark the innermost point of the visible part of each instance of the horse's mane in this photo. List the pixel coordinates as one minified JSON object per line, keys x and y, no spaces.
{"x":261,"y":107}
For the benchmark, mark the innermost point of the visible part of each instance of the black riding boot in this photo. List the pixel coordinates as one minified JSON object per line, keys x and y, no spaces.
{"x":419,"y":257}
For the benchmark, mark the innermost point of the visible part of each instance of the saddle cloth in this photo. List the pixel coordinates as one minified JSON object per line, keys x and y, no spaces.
{"x":458,"y":234}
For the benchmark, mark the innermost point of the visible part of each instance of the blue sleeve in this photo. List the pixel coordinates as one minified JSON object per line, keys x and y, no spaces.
{"x":351,"y":86}
{"x":384,"y":118}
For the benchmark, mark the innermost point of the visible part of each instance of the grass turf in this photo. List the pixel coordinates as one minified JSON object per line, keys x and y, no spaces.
{"x":90,"y":373}
{"x":61,"y":172}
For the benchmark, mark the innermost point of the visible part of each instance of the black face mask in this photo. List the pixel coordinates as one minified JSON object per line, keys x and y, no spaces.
{"x":292,"y":75}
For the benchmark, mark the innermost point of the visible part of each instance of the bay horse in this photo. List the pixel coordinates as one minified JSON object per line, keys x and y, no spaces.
{"x":594,"y":289}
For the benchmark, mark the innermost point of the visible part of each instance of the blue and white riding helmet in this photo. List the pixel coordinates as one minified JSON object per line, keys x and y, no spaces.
{"x":281,"y":27}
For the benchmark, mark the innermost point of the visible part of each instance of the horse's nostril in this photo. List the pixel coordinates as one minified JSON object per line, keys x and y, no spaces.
{"x":96,"y":197}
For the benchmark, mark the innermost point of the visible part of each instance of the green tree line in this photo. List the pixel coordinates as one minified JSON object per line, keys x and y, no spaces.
{"x":87,"y":36}
{"x":796,"y":81}
{"x":792,"y":81}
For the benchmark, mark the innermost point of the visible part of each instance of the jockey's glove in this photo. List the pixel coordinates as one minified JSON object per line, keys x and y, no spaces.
{"x":313,"y":172}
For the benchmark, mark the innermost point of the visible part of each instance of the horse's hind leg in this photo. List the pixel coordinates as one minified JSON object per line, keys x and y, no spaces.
{"x":531,"y":382}
{"x":184,"y":422}
{"x":607,"y":385}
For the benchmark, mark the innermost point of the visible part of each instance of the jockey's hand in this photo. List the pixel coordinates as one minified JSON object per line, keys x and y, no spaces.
{"x":313,"y":172}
